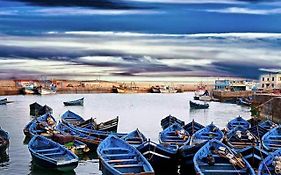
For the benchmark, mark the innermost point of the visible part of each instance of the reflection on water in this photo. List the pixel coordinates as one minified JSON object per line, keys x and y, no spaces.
{"x":26,"y":140}
{"x":143,"y":111}
{"x":37,"y":170}
{"x":4,"y":159}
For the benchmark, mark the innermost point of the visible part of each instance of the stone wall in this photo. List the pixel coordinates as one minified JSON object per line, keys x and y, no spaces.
{"x":271,"y":110}
{"x":228,"y":95}
{"x":8,"y":87}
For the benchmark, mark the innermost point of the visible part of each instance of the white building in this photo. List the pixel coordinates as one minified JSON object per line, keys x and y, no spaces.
{"x":270,"y":81}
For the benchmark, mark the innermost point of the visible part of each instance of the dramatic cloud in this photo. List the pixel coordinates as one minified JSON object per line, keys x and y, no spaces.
{"x":247,"y":11}
{"x":81,"y":11}
{"x":124,"y":55}
{"x":106,"y":4}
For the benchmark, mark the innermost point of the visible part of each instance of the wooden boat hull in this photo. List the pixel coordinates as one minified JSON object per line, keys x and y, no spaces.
{"x":254,"y":155}
{"x":91,"y":141}
{"x":28,"y":91}
{"x":118,"y":90}
{"x":210,"y":160}
{"x":53,"y":166}
{"x":267,"y":167}
{"x":174,"y":135}
{"x":79,"y":102}
{"x":187,"y":153}
{"x":71,"y":118}
{"x":271,"y":141}
{"x":243,"y":102}
{"x":169,"y":120}
{"x":96,"y":133}
{"x":109,"y":126}
{"x":43,"y":91}
{"x":192,"y":127}
{"x":205,"y":134}
{"x":4,"y":141}
{"x":159,"y":155}
{"x":3,"y":101}
{"x":155,"y":90}
{"x":258,"y":131}
{"x":49,"y":154}
{"x":238,"y":121}
{"x":117,"y":158}
{"x":198,"y":106}
{"x":240,"y":137}
{"x":30,"y":129}
{"x":135,"y":138}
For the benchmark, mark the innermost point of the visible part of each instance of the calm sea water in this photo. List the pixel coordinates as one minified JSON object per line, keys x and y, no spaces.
{"x":143,"y":111}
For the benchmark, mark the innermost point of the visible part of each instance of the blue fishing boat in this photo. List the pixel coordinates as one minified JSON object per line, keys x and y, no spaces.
{"x":49,"y":154}
{"x":194,"y":105}
{"x":169,"y":120}
{"x":163,"y":158}
{"x":239,"y":138}
{"x":96,"y":133}
{"x":271,"y":165}
{"x":254,"y":155}
{"x":238,"y":121}
{"x":186,"y":153}
{"x":205,"y":134}
{"x":4,"y":141}
{"x":79,"y":102}
{"x":271,"y":141}
{"x":267,"y":125}
{"x":135,"y":138}
{"x":174,"y":135}
{"x":5,"y":101}
{"x":254,"y":121}
{"x":192,"y":127}
{"x":215,"y":158}
{"x":69,"y":141}
{"x":76,"y":120}
{"x":72,"y":118}
{"x":244,"y":102}
{"x":91,"y":141}
{"x":258,"y":131}
{"x":198,"y":139}
{"x":118,"y":158}
{"x":43,"y":125}
{"x":262,"y":128}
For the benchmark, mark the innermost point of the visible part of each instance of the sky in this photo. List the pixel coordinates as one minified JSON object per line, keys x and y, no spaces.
{"x":139,"y":39}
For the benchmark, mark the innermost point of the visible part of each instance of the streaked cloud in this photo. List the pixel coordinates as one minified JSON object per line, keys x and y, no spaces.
{"x":81,"y":11}
{"x":79,"y":54}
{"x":239,"y":10}
{"x":191,"y":1}
{"x":104,"y":4}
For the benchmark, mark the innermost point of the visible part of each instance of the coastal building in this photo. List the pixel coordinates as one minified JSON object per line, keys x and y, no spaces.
{"x":222,"y":84}
{"x":234,"y":85}
{"x":270,"y":81}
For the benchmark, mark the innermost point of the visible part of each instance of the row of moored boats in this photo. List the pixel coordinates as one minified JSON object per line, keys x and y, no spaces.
{"x":243,"y":147}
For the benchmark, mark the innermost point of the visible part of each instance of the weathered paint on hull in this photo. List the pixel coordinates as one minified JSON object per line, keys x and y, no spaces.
{"x":49,"y":165}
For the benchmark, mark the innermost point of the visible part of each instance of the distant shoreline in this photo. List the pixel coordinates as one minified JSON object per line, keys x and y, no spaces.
{"x":14,"y":87}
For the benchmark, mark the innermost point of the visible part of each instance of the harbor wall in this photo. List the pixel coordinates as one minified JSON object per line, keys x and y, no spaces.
{"x":12,"y":87}
{"x":8,"y":87}
{"x":268,"y":106}
{"x":230,"y":95}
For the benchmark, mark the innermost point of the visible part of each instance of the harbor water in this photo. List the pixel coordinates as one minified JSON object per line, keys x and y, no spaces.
{"x":143,"y":111}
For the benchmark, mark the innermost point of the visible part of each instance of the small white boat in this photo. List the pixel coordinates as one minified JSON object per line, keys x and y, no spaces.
{"x":44,"y":91}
